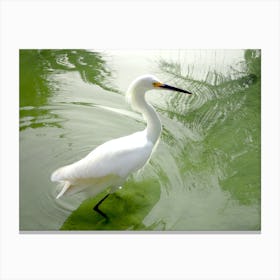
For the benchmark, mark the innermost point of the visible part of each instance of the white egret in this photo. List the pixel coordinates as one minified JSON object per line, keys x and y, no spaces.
{"x":110,"y":164}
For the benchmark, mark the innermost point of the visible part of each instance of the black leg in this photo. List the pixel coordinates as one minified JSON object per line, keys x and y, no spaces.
{"x":95,"y":208}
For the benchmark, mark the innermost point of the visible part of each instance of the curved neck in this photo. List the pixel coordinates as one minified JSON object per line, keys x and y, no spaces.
{"x":153,"y":123}
{"x":140,"y":104}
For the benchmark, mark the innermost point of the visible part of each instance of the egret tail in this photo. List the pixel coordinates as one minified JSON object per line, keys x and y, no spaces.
{"x":64,"y":189}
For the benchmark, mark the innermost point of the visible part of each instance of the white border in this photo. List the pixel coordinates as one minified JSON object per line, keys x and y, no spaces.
{"x":140,"y":25}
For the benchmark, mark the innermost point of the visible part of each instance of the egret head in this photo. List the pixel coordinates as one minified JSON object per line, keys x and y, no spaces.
{"x":149,"y":82}
{"x":137,"y":89}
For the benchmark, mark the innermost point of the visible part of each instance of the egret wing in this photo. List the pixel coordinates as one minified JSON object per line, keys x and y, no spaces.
{"x":119,"y":157}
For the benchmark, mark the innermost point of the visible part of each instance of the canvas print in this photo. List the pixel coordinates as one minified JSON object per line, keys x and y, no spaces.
{"x":140,"y":140}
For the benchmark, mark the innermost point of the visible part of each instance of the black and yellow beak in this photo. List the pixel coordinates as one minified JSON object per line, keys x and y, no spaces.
{"x":165,"y":86}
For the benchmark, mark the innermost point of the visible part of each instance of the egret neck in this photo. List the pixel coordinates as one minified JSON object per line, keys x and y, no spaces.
{"x":153,"y":123}
{"x":138,"y":102}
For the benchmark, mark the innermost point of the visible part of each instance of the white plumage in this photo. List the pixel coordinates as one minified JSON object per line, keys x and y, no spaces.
{"x":115,"y":159}
{"x":110,"y":163}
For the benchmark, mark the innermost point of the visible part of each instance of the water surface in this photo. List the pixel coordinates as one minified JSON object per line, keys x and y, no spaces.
{"x":205,"y":173}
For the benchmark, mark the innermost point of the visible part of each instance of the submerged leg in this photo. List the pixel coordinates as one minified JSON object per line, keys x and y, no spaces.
{"x":95,"y":208}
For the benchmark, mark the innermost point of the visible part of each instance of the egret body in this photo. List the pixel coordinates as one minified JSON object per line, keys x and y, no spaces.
{"x":110,"y":164}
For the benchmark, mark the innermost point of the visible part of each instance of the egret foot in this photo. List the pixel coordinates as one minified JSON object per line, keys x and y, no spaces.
{"x":96,"y":207}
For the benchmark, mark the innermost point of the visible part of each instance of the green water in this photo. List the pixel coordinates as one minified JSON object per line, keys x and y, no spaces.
{"x":205,"y":173}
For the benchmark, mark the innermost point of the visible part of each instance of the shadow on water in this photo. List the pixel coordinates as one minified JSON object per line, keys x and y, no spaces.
{"x":224,"y":117}
{"x":126,"y":209}
{"x":37,"y":84}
